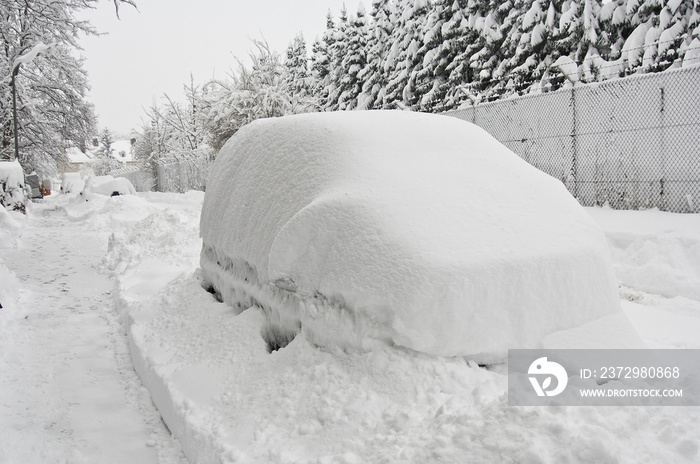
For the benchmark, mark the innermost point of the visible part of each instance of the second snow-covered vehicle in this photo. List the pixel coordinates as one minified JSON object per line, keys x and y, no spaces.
{"x":400,"y":228}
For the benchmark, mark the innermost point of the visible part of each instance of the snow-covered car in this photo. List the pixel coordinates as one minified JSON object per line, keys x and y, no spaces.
{"x":107,"y":185}
{"x":399,"y":228}
{"x":13,"y":195}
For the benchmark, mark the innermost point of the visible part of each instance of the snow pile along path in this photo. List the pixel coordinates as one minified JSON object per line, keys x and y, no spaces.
{"x":656,"y":256}
{"x":68,"y":392}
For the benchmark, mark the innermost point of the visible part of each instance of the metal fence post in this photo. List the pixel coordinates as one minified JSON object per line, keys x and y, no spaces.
{"x":662,"y":199}
{"x":574,"y":143}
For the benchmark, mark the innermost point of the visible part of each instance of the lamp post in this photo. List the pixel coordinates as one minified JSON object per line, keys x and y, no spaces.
{"x":27,"y":57}
{"x":15,"y":71}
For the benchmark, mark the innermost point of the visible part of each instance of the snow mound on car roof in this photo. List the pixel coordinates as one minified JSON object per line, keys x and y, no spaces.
{"x":108,"y":185}
{"x":413,"y":229}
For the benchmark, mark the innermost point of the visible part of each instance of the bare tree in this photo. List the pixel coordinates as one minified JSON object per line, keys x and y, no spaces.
{"x":38,"y":64}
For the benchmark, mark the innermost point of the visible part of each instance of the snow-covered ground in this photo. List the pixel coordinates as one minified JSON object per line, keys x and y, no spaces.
{"x":68,"y":391}
{"x":84,"y":280}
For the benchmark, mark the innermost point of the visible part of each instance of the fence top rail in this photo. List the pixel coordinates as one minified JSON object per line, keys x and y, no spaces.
{"x":126,"y":170}
{"x":568,"y":87}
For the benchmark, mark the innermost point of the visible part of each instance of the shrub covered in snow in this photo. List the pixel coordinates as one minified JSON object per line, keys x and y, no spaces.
{"x":13,"y":195}
{"x":395,"y":227}
{"x":107,"y":185}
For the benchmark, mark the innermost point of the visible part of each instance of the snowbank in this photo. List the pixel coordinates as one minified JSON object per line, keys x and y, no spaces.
{"x":10,"y":228}
{"x":405,"y":228}
{"x":654,"y":251}
{"x":12,"y":193}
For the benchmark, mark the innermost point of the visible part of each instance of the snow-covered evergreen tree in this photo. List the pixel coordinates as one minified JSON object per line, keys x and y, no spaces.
{"x":321,"y":63}
{"x":425,"y":77}
{"x":465,"y":42}
{"x":106,"y":143}
{"x":372,"y":74}
{"x":296,"y":66}
{"x":406,"y":41}
{"x":354,"y":61}
{"x":445,"y":46}
{"x":105,"y":161}
{"x":337,"y":53}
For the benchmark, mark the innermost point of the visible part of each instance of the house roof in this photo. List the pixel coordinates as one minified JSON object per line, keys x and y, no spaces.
{"x":74,"y":155}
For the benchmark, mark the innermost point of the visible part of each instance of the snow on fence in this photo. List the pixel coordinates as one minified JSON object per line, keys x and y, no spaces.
{"x":632,"y":143}
{"x":182,"y":175}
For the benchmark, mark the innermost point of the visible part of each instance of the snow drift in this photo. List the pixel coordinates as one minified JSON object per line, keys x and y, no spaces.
{"x":396,"y":227}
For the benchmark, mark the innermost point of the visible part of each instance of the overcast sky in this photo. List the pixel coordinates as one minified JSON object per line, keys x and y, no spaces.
{"x":153,"y":51}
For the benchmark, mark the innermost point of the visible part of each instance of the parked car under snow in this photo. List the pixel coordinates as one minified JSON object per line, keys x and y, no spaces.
{"x":417,"y":230}
{"x":107,"y":185}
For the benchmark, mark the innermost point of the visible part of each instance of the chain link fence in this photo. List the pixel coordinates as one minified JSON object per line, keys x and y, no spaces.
{"x":182,"y":175}
{"x":142,"y":181}
{"x":631,"y":143}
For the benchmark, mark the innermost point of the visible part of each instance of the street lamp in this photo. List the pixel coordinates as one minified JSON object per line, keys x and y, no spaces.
{"x":26,"y":58}
{"x":15,"y":71}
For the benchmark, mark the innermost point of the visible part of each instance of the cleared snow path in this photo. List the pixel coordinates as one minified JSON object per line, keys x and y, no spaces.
{"x":68,"y":392}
